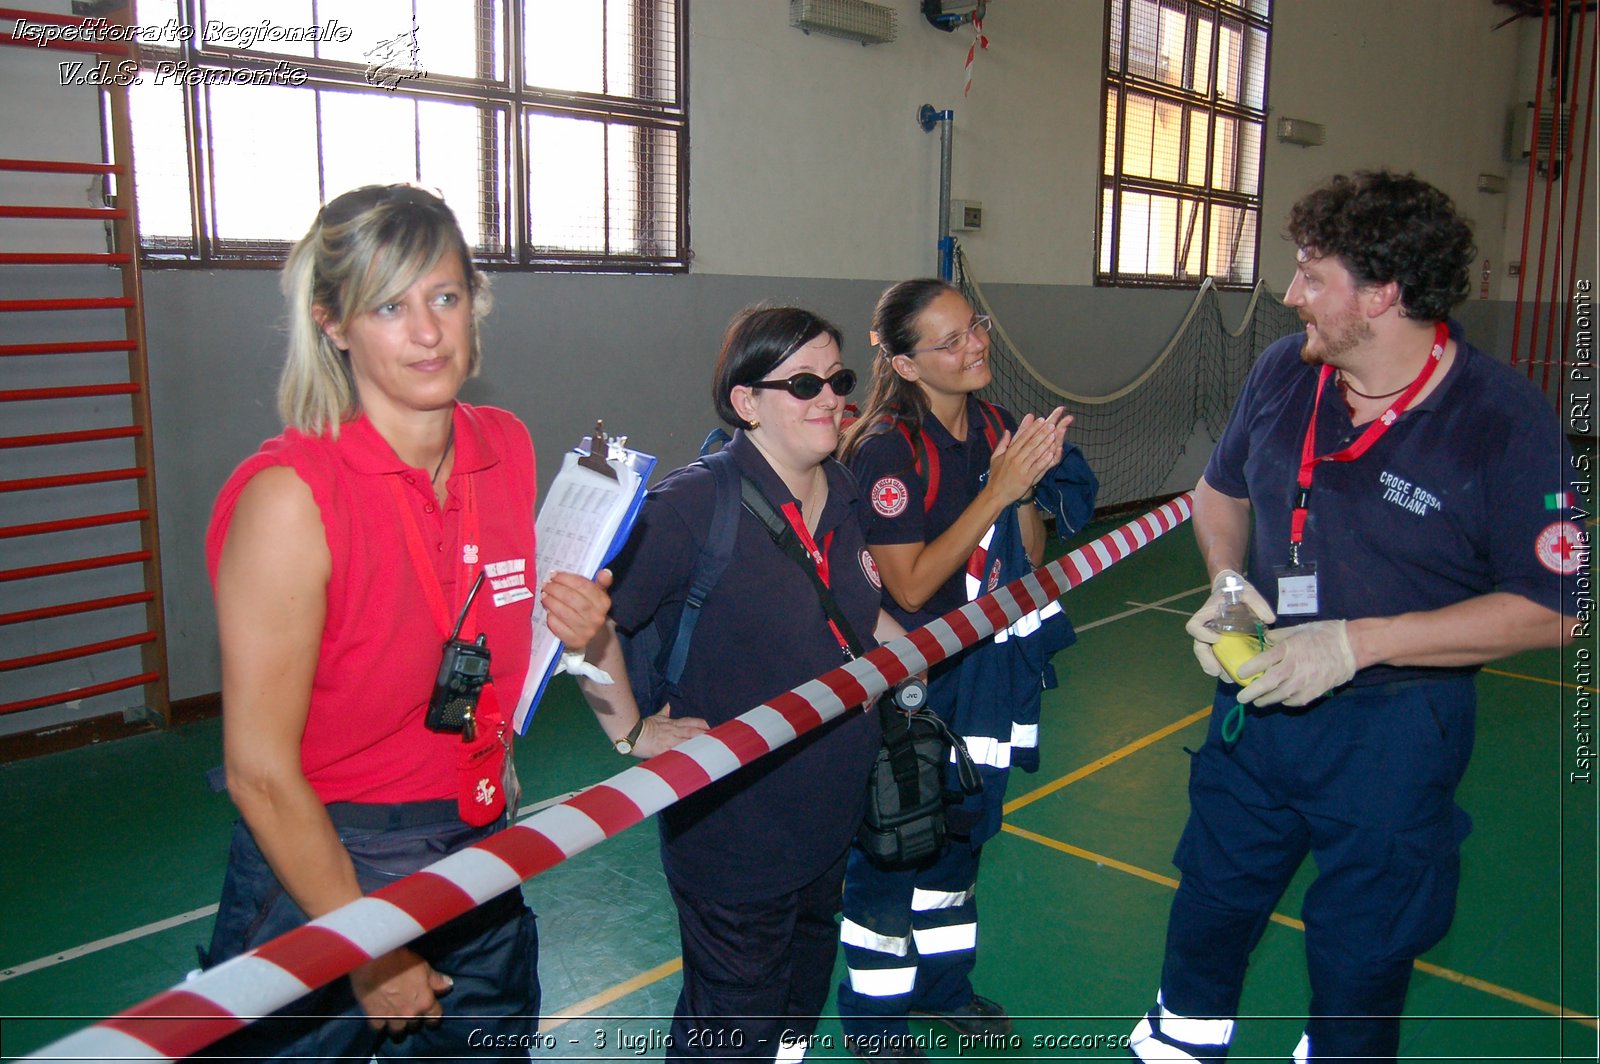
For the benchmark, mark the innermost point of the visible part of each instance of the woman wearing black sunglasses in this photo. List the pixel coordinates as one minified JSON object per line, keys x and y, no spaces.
{"x":756,"y":860}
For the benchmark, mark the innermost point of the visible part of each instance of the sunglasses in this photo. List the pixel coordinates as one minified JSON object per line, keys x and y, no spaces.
{"x":809,"y":385}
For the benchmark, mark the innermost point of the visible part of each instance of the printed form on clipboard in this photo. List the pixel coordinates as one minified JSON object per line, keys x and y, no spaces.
{"x":583,"y":523}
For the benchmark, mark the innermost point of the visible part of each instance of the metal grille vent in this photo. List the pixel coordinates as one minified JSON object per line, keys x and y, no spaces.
{"x":854,"y":20}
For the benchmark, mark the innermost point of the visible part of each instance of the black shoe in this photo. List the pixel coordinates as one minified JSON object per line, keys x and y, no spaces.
{"x":884,"y":1048}
{"x":979,"y":1018}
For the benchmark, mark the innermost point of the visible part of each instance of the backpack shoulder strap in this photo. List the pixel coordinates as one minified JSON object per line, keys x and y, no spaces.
{"x":924,"y":458}
{"x":710,"y":562}
{"x":993,"y":423}
{"x":931,"y":491}
{"x":757,"y":503}
{"x":715,"y":440}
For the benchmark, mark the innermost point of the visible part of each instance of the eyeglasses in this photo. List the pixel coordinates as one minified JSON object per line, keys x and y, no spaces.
{"x":809,"y":385}
{"x":979,"y":323}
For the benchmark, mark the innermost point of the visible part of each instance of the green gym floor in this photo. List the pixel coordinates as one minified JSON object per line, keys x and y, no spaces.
{"x":115,"y":853}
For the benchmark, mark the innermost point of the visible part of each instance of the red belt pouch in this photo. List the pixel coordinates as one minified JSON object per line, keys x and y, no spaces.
{"x":480,"y":765}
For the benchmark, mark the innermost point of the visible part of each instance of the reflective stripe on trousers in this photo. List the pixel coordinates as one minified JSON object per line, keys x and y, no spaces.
{"x":1164,"y":1035}
{"x":996,"y":753}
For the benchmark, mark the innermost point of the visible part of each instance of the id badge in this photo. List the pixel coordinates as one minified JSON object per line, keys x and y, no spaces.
{"x":1297,"y":589}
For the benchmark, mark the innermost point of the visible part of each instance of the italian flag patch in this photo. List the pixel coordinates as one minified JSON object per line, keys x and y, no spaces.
{"x":1561,"y":500}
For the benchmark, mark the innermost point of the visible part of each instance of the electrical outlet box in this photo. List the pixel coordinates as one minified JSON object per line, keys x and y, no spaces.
{"x":966,"y":215}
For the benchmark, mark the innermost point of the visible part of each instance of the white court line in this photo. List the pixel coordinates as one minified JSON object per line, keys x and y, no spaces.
{"x":1140,"y":607}
{"x":1162,"y":609}
{"x":523,"y":812}
{"x":106,"y":943}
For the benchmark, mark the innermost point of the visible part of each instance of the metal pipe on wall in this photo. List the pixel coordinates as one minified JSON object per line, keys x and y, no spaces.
{"x":927,"y":118}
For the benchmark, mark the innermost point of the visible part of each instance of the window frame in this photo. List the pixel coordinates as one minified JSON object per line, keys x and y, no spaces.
{"x":504,"y":193}
{"x":1115,"y":87}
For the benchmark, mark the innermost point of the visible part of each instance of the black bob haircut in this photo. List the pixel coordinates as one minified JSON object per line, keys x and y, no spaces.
{"x":1390,"y":227}
{"x":757,"y":341}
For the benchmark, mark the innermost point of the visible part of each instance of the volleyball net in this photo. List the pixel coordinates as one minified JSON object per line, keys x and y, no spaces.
{"x":1133,"y":437}
{"x":215,"y":1003}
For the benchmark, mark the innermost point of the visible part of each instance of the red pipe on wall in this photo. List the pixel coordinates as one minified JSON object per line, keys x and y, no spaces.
{"x":1527,"y":202}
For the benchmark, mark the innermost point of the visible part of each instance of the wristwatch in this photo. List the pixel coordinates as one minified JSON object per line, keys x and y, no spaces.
{"x":624,"y":745}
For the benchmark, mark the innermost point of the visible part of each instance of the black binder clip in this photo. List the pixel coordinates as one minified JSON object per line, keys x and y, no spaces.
{"x":599,"y":444}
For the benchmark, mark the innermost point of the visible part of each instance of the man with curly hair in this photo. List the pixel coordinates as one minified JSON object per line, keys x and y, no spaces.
{"x":1400,"y":497}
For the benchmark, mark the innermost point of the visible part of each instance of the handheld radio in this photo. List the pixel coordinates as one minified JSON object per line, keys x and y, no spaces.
{"x":463,"y":672}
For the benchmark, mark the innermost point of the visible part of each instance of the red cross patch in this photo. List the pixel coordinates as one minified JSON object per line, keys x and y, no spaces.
{"x":870,"y":567}
{"x":994,"y":576}
{"x":889,"y":496}
{"x":1561,"y":547}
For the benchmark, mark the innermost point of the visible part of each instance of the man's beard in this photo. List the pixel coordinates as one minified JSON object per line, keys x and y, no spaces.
{"x":1327,"y":346}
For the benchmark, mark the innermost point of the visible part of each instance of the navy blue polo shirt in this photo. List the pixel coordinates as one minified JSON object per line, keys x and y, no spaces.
{"x":1464,"y":494}
{"x":777,"y":824}
{"x":896,"y":495}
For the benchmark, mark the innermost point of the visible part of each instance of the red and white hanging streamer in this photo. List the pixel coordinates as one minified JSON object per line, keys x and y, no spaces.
{"x":980,"y":42}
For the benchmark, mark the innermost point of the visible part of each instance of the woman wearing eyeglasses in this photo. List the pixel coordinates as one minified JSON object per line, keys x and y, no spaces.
{"x":755,"y":860}
{"x":341,"y":554}
{"x":949,"y":481}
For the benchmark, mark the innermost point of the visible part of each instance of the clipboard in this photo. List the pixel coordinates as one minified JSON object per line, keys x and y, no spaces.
{"x":582,"y":524}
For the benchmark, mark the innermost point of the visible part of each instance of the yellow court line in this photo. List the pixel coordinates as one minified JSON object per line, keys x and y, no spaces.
{"x":578,"y":1010}
{"x":1090,"y":855}
{"x":1110,"y":759}
{"x":1506,"y":993}
{"x":1450,"y":974}
{"x":1541,"y":679}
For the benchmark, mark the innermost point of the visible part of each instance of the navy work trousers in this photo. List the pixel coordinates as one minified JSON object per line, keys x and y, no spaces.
{"x":910,"y":941}
{"x":755,"y":973}
{"x":1365,"y":783}
{"x":491,"y":952}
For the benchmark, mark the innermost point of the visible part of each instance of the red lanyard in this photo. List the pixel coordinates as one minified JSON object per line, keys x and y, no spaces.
{"x":791,"y":513}
{"x":432,"y":590}
{"x":1309,"y":460}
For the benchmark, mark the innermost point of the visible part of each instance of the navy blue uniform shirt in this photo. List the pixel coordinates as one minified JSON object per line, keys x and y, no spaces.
{"x":1465,"y":494}
{"x":895,"y":495}
{"x":777,"y":824}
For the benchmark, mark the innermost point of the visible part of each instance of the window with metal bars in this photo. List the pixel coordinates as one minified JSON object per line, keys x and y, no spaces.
{"x":556,"y":129}
{"x":1185,"y":110}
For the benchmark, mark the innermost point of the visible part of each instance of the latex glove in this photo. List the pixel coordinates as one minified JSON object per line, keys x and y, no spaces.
{"x":1303,"y":664}
{"x":1204,"y":637}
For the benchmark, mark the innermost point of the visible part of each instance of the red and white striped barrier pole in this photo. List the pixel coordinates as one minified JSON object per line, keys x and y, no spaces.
{"x":196,"y":1013}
